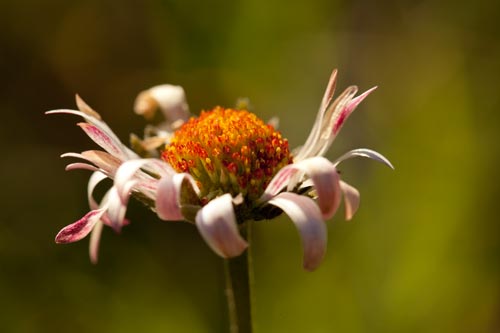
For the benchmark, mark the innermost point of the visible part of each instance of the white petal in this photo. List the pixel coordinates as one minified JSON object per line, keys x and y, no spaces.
{"x":81,"y":228}
{"x":323,"y":175}
{"x":217,"y":225}
{"x":307,"y":218}
{"x":168,"y":195}
{"x":363,"y":152}
{"x":351,"y":199}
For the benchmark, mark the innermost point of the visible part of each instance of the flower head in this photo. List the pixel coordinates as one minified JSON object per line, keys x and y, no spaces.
{"x":219,"y":171}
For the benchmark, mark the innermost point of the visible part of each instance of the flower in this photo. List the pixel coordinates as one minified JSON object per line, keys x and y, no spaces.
{"x":218,"y":171}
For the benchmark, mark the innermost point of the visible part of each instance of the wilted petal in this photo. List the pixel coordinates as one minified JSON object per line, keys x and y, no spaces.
{"x":307,"y":218}
{"x":85,"y":108}
{"x":363,"y":152}
{"x":81,"y":228}
{"x":217,"y":225}
{"x":330,"y":90}
{"x":168,"y":196}
{"x":351,"y":199}
{"x":323,"y":175}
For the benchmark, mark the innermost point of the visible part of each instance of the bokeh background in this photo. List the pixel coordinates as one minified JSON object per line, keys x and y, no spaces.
{"x":423,"y":253}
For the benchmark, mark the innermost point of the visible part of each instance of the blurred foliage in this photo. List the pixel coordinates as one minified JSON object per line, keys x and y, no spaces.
{"x":423,"y":253}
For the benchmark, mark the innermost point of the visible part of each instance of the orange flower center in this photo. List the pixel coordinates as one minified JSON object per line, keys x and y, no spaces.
{"x":228,"y":151}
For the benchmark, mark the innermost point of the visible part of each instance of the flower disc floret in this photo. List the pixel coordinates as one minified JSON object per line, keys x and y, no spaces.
{"x":228,"y":151}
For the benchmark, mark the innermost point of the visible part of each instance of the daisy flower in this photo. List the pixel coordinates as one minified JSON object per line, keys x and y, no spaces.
{"x":219,"y":171}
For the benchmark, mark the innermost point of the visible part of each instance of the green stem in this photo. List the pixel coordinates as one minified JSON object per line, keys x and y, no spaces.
{"x":239,"y":285}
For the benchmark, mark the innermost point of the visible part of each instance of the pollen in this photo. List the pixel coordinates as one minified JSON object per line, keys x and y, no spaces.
{"x":228,"y":151}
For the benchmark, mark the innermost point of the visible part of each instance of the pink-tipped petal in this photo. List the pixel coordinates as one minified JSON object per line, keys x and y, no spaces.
{"x":346,"y":111}
{"x":81,"y":228}
{"x":307,"y":218}
{"x":95,"y":239}
{"x":103,"y":139}
{"x":351,"y":199}
{"x":217,"y":225}
{"x":168,"y":205}
{"x":363,"y":152}
{"x":323,"y":175}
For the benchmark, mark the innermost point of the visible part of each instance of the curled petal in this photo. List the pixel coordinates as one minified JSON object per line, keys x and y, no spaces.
{"x":117,"y":208}
{"x":323,"y":175}
{"x":169,"y":98}
{"x":351,"y":199}
{"x":168,"y":196}
{"x":217,"y":225}
{"x":307,"y":218}
{"x":124,"y":178}
{"x":81,"y":228}
{"x":95,"y":179}
{"x":363,"y":152}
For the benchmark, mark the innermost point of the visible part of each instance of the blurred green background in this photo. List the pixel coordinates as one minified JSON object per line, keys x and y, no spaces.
{"x":422,"y":255}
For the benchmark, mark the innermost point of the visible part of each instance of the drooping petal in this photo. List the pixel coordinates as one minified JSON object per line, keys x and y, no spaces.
{"x":95,"y":239}
{"x":363,"y":152}
{"x":351,"y":199}
{"x":217,"y":225}
{"x":168,"y":196}
{"x":81,"y":228}
{"x":306,"y":216}
{"x":323,"y":175}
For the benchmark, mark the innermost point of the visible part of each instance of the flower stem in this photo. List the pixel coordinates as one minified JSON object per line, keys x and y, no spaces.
{"x":239,"y":285}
